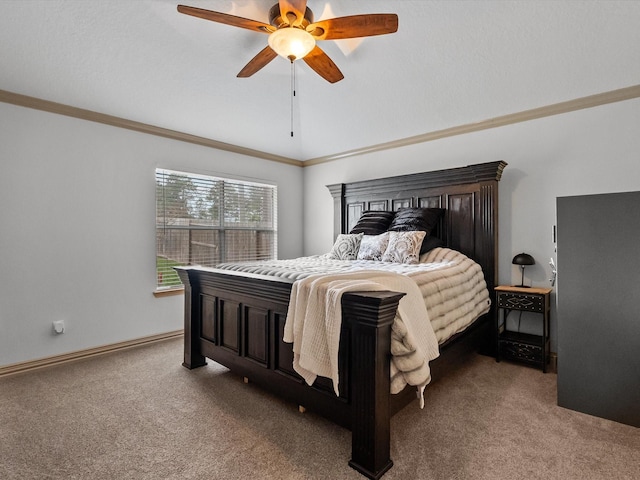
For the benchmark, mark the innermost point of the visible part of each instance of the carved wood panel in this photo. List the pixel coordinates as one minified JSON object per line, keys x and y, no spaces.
{"x":378,"y":205}
{"x":256,"y":333}
{"x":434,"y":201}
{"x":283,"y":355}
{"x":208,"y":325}
{"x":229,"y":324}
{"x":398,"y":203}
{"x":354,"y":212}
{"x":460,"y":227}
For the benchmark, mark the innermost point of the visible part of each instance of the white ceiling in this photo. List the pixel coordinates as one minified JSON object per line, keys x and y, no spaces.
{"x":450,"y":63}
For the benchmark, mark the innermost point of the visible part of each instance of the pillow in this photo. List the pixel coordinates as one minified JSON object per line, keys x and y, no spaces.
{"x":404,"y":247}
{"x":429,"y":243}
{"x":408,"y":219}
{"x":373,"y":222}
{"x":425,"y":219}
{"x":346,"y":247}
{"x":373,"y":247}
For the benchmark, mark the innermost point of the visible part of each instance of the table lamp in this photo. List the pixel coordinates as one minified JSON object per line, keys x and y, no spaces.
{"x":523,"y":259}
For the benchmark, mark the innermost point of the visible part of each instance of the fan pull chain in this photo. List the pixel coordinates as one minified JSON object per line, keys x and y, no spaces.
{"x":293,"y":90}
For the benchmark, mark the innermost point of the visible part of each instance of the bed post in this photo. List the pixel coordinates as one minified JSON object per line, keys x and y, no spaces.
{"x":193,"y":358}
{"x":488,"y":175}
{"x":370,"y":316}
{"x":339,"y":218}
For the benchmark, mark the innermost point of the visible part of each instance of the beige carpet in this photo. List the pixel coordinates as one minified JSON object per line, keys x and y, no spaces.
{"x":139,"y":414}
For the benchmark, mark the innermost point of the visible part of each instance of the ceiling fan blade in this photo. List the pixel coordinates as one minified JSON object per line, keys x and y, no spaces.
{"x":257,"y":62}
{"x":288,"y":8}
{"x":323,"y":65}
{"x":354,"y":26}
{"x":226,"y":19}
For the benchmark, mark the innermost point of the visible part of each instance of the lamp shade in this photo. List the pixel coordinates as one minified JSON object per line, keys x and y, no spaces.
{"x":523,"y":259}
{"x":292,"y":43}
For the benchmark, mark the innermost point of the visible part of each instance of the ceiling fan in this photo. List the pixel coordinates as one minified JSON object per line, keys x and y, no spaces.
{"x":293,"y":34}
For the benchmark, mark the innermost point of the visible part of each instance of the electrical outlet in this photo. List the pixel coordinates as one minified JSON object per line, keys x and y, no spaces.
{"x":58,"y":326}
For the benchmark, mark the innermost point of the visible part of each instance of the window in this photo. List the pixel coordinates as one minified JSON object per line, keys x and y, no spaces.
{"x":202,"y":220}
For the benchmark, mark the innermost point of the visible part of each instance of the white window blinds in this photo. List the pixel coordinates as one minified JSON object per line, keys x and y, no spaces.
{"x":202,"y":220}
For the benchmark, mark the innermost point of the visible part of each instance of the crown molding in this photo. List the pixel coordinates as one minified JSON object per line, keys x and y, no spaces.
{"x":69,"y":111}
{"x":581,"y":103}
{"x":590,"y":101}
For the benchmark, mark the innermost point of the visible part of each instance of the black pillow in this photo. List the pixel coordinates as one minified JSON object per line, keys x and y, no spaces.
{"x":373,"y":222}
{"x":429,"y":243}
{"x":424,"y":219}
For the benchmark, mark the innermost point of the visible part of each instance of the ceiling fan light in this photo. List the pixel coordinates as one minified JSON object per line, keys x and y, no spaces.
{"x":291,"y":43}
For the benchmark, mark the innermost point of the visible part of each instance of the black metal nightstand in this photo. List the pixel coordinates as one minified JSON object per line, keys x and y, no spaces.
{"x":523,"y":347}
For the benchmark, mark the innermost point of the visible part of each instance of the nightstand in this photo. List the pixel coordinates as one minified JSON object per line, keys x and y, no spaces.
{"x":523,"y":347}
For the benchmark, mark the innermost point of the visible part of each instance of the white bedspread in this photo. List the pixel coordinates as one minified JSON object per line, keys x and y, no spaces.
{"x":452,"y":285}
{"x":314,"y":320}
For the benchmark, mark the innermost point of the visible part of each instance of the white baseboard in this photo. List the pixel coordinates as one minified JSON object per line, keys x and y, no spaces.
{"x":87,"y":353}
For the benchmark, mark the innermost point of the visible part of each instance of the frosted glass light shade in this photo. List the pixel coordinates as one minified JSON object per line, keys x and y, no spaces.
{"x":291,"y":43}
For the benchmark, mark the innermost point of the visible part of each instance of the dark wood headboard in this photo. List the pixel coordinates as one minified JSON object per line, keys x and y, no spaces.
{"x":469,"y":195}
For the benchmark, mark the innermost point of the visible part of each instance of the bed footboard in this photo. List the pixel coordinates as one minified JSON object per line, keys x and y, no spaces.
{"x":370,"y":316}
{"x":238,"y":321}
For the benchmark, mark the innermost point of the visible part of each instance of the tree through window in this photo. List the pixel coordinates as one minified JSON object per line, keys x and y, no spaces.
{"x":203,"y":220}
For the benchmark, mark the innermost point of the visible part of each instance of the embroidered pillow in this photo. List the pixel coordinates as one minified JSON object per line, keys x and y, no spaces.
{"x":346,"y":246}
{"x":404,"y":247}
{"x":409,"y":219}
{"x":372,"y":247}
{"x":373,"y":222}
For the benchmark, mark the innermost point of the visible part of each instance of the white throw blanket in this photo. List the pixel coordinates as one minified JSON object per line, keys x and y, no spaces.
{"x":314,"y":321}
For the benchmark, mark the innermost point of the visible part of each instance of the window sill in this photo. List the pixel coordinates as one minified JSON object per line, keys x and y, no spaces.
{"x":168,"y":292}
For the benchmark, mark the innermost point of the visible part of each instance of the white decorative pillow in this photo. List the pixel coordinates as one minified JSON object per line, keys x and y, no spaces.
{"x":373,"y":247}
{"x":346,"y":246}
{"x":404,"y":247}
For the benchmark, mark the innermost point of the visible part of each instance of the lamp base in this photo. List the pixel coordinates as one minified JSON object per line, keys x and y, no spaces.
{"x":523,"y":286}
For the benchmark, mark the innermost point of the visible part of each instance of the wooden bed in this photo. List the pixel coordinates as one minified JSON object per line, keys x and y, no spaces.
{"x":238,"y":319}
